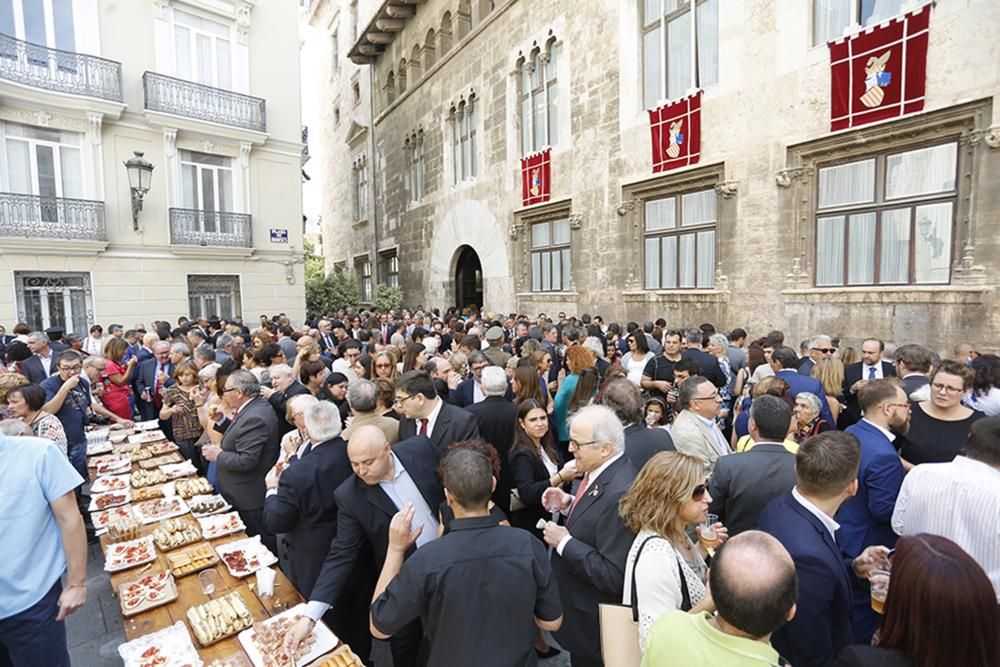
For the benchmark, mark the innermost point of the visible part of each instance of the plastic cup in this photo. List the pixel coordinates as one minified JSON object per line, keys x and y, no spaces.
{"x":708,"y":535}
{"x":879,"y":581}
{"x":208,"y":580}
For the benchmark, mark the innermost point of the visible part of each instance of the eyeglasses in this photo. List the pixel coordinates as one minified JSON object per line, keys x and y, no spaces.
{"x":699,"y":491}
{"x":72,"y":369}
{"x":713,"y":397}
{"x":899,"y":405}
{"x":825,"y":350}
{"x":400,"y":400}
{"x":226,"y":391}
{"x":948,"y":389}
{"x":578,"y":444}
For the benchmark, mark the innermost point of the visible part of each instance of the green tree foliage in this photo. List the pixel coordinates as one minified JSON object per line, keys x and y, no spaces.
{"x":325,"y":293}
{"x":388,"y":298}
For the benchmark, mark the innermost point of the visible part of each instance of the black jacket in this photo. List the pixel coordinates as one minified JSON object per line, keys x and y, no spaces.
{"x":853,"y":373}
{"x":530,"y":477}
{"x":304,"y":509}
{"x":643,"y":443}
{"x":741,"y":485}
{"x":279,"y":401}
{"x":495,"y":418}
{"x":708,"y":365}
{"x":34,"y":368}
{"x":453,"y":424}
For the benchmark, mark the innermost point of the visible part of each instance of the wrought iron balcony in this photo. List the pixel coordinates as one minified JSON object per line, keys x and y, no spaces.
{"x":193,"y":100}
{"x":34,"y":217}
{"x":190,"y":226}
{"x":61,"y":71}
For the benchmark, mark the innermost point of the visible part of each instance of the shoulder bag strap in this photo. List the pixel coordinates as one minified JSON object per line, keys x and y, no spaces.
{"x":685,"y":593}
{"x":635,"y":565}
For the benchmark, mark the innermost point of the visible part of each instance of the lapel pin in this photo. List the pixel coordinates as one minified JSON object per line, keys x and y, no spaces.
{"x":596,"y":490}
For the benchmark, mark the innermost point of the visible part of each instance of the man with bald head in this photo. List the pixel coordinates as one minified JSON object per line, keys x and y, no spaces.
{"x":754,"y":586}
{"x":387,"y":479}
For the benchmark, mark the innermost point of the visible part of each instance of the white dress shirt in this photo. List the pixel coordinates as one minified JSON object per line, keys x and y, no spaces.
{"x":432,"y":418}
{"x":827,"y":520}
{"x":959,"y":500}
{"x":866,"y":371}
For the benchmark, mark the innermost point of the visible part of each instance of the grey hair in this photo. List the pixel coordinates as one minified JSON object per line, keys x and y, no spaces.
{"x":183,"y":348}
{"x":209,"y":371}
{"x":719,"y":340}
{"x":246,"y":382}
{"x":160,"y":344}
{"x":205,"y":351}
{"x":298,"y":399}
{"x":688,"y":390}
{"x":494,"y":381}
{"x":361,"y":395}
{"x":92,"y":360}
{"x":15,"y":428}
{"x":593,"y":343}
{"x":322,"y":421}
{"x":40,"y":336}
{"x":223,"y":340}
{"x":812,"y":399}
{"x":605,"y":425}
{"x":814,"y":341}
{"x":693,"y":336}
{"x":430,"y":344}
{"x":624,"y":397}
{"x":281,"y":370}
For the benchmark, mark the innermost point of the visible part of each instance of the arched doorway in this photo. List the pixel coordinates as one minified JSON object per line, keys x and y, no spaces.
{"x":468,"y":278}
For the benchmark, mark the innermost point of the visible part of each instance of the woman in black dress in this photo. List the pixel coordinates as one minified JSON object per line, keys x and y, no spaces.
{"x":939,"y":427}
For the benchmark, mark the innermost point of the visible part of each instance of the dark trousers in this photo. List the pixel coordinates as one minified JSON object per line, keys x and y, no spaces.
{"x":254,"y":520}
{"x":582,"y":661}
{"x":192,"y":454}
{"x":407,"y":646}
{"x":33,"y":637}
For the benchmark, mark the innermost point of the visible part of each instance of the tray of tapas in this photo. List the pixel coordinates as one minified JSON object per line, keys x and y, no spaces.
{"x":147,"y":436}
{"x":124,"y":528}
{"x":264,"y":641}
{"x":105,"y":517}
{"x":100,"y":447}
{"x":342,"y":657}
{"x":160,"y":508}
{"x":108,"y":464}
{"x":187,"y":488}
{"x":177,"y":532}
{"x":123,"y":555}
{"x":221,"y":524}
{"x":237,"y":659}
{"x":140,"y":453}
{"x":146,"y":425}
{"x":207,"y":505}
{"x":142,"y":477}
{"x":244,"y":557}
{"x":169,"y":647}
{"x":220,"y":618}
{"x":157,"y":461}
{"x":163,"y":447}
{"x":191,"y":560}
{"x":110,"y":483}
{"x":102,"y":501}
{"x":178,"y":470}
{"x":152,"y":590}
{"x":146,"y":493}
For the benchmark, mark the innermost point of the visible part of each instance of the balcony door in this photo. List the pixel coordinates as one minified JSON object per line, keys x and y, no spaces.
{"x":53,"y":299}
{"x":202,"y":51}
{"x":43,"y":166}
{"x":217,"y":296}
{"x":207,"y":187}
{"x":43,"y":22}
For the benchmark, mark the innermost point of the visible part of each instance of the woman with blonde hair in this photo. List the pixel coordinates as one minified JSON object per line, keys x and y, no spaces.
{"x":830,"y":373}
{"x":668,"y":496}
{"x":7,"y":382}
{"x":384,"y":365}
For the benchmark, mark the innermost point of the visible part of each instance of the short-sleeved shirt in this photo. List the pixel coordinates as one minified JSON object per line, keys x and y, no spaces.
{"x":476,"y":590}
{"x":680,"y":638}
{"x":34,"y":474}
{"x":73,"y":413}
{"x":659,"y":368}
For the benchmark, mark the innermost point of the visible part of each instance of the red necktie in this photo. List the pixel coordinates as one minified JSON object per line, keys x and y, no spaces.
{"x":579,"y":493}
{"x":423,"y":427}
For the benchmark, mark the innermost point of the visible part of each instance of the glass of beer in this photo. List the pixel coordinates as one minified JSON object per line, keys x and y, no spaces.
{"x":879,"y":581}
{"x":708,"y":536}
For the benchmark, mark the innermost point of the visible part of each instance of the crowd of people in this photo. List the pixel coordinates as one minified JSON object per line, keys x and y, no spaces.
{"x":468,"y":485}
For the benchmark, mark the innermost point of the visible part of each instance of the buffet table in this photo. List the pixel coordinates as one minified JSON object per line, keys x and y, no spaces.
{"x":227,"y":652}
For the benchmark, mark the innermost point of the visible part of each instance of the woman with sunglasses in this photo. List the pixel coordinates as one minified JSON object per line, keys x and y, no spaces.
{"x":939,"y":427}
{"x":668,"y":496}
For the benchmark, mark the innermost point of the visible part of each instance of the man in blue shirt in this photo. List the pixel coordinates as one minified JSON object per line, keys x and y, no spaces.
{"x":43,"y":537}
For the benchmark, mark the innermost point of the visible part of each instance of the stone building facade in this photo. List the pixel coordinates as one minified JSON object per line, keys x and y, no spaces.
{"x":890,"y":229}
{"x":202,"y":89}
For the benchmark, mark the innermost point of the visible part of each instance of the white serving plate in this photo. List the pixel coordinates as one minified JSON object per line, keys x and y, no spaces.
{"x":195,"y":499}
{"x":111,"y":566}
{"x":182,"y":509}
{"x":104,"y":483}
{"x":325,"y":639}
{"x":175,"y":644}
{"x":210,"y":525}
{"x":252,"y":548}
{"x":93,"y":500}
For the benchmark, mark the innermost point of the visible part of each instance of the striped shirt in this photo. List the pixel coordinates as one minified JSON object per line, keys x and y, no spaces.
{"x":959,"y":500}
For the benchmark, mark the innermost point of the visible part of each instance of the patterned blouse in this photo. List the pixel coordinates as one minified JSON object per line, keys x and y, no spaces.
{"x":185,"y":421}
{"x":49,"y":427}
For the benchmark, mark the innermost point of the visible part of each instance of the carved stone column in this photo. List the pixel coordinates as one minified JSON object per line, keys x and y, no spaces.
{"x":628,"y":210}
{"x":797,"y":206}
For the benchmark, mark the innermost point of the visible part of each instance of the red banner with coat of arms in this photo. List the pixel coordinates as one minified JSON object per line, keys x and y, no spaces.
{"x":880,"y":72}
{"x":536,"y":177}
{"x":676,"y":133}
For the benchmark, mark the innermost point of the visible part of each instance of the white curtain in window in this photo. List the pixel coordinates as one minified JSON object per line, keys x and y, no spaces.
{"x":560,"y":231}
{"x":668,"y":275}
{"x":706,"y":259}
{"x":567,"y":268}
{"x":18,"y":167}
{"x":651,"y":11}
{"x":72,"y":172}
{"x":708,"y":43}
{"x":830,"y":251}
{"x":472,"y":138}
{"x":894,"y":265}
{"x":851,"y":183}
{"x":651,"y":264}
{"x":933,"y":243}
{"x":651,"y":72}
{"x":553,"y":113}
{"x":830,"y":17}
{"x":546,"y":271}
{"x":679,"y":56}
{"x":557,"y":270}
{"x":876,"y":11}
{"x":920,"y":172}
{"x":540,"y":235}
{"x":861,"y":250}
{"x":687,"y":261}
{"x":62,"y":19}
{"x":34,"y":21}
{"x":698,"y":208}
{"x":526,"y":145}
{"x":536,"y":271}
{"x":660,"y":214}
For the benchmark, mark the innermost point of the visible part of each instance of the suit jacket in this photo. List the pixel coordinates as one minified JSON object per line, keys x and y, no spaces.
{"x":304,"y":510}
{"x":914,"y":382}
{"x":743,"y":484}
{"x":34,"y":368}
{"x":145,"y":379}
{"x":799,"y":383}
{"x":822,"y":624}
{"x":279,"y":401}
{"x":806,"y":366}
{"x":453,"y":424}
{"x":463,"y":395}
{"x":853,"y":373}
{"x":708,"y":365}
{"x":872,"y":656}
{"x":250,"y":446}
{"x":643,"y":443}
{"x":591,"y":569}
{"x":364,"y":513}
{"x":692,"y":436}
{"x":530,"y":477}
{"x":495,"y":418}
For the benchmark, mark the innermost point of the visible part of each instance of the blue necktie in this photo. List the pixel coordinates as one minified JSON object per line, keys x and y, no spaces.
{"x":871,"y":372}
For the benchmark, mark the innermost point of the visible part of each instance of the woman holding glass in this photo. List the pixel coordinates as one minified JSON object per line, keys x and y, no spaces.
{"x":180,"y":406}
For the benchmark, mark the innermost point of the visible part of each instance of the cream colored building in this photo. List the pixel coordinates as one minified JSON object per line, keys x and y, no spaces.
{"x":208,"y":91}
{"x":753,"y":235}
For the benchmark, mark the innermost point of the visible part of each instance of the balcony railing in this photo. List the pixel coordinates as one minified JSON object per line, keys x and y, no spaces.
{"x":61,"y":71}
{"x":34,"y":217}
{"x":190,"y":226}
{"x":193,"y":100}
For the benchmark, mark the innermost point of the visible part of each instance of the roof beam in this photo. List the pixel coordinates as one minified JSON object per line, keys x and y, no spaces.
{"x":390,"y":25}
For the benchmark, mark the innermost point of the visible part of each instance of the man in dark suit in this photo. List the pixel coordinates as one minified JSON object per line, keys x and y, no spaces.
{"x":590,"y":550}
{"x":249,"y":447}
{"x":641,"y":443}
{"x":866,"y":519}
{"x":5,"y":340}
{"x":56,"y":341}
{"x":42,"y":362}
{"x":495,"y":418}
{"x":284,"y":385}
{"x":820,"y":347}
{"x":708,"y":364}
{"x":785,"y":364}
{"x":741,"y":485}
{"x":826,"y":469}
{"x":426,"y":414}
{"x":913,"y":364}
{"x":387,"y":479}
{"x":153,"y":376}
{"x":470,"y":390}
{"x":871,"y":367}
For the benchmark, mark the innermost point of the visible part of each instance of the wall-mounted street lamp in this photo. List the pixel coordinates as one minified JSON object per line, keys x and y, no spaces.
{"x":140,"y":173}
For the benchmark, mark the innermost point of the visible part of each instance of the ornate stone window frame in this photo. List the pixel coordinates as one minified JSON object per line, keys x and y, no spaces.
{"x":798,"y":190}
{"x":520,"y":239}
